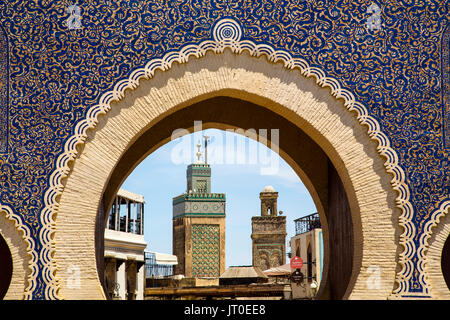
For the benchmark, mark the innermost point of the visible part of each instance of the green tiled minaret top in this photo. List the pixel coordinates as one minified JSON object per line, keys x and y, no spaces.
{"x":199,"y":174}
{"x":198,"y":199}
{"x":198,"y":177}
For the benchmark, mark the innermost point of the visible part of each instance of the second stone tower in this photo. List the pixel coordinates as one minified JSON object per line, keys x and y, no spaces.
{"x":268,"y":233}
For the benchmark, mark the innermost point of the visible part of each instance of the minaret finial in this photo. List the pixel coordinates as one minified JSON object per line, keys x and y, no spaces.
{"x":199,"y":153}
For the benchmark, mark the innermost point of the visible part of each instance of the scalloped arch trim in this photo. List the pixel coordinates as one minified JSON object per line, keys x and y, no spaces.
{"x":30,"y":249}
{"x":436,"y":216}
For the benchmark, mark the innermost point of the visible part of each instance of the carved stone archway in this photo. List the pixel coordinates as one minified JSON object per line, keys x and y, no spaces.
{"x":271,"y":86}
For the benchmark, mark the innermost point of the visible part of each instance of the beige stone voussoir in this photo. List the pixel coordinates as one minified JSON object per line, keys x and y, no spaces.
{"x":285,"y":92}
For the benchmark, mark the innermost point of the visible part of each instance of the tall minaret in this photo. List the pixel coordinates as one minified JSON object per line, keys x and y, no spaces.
{"x":199,"y":224}
{"x":268,"y":233}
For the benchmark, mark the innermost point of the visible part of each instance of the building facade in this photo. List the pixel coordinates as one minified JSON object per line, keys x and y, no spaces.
{"x":268,"y":233}
{"x":199,"y":226}
{"x":308,"y":245}
{"x":124,"y":247}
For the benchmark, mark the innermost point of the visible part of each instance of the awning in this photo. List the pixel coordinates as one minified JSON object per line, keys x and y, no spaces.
{"x":165,"y":258}
{"x":278,"y":271}
{"x":123,"y":256}
{"x":243,"y":272}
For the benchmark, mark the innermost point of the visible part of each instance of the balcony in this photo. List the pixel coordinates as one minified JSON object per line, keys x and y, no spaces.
{"x":127,"y":213}
{"x":307,"y":223}
{"x":159,"y":265}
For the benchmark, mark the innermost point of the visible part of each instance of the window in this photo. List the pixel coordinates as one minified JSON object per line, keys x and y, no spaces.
{"x":123,"y":213}
{"x":112,"y":217}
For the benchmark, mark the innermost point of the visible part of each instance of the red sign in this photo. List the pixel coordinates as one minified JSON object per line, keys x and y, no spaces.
{"x":296,"y":263}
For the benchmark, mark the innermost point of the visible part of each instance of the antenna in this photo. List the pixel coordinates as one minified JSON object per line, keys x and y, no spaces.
{"x":206,"y":148}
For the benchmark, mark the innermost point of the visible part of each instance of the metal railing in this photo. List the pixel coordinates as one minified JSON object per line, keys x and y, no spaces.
{"x":154,"y":270}
{"x":307,"y":223}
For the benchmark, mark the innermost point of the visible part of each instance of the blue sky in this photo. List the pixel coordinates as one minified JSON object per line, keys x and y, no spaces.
{"x":240,"y":168}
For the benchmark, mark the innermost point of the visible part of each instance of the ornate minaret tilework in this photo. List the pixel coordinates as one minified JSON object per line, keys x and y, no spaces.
{"x":205,"y":250}
{"x":199,"y":226}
